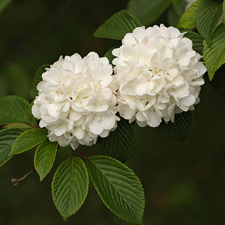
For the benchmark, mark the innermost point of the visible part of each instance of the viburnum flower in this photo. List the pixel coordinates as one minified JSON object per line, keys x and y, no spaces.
{"x":76,"y":100}
{"x":158,"y":75}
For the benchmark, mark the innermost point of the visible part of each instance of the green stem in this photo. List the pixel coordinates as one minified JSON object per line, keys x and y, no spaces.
{"x":16,"y":181}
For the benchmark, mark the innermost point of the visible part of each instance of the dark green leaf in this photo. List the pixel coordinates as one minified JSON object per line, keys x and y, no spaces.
{"x":45,"y":157}
{"x":182,"y":127}
{"x":147,"y":11}
{"x":109,"y":54}
{"x":117,"y":26}
{"x":14,"y":109}
{"x":7,"y":138}
{"x":188,"y":20}
{"x":119,"y":188}
{"x":4,"y":4}
{"x":214,"y":56}
{"x":33,"y":120}
{"x":37,"y":79}
{"x":18,"y":125}
{"x":218,"y":82}
{"x":208,"y":15}
{"x":121,"y":143}
{"x":28,"y":140}
{"x":175,"y":12}
{"x":70,"y":186}
{"x":197,"y":41}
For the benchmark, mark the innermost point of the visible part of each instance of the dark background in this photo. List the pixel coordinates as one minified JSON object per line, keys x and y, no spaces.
{"x":183,"y":181}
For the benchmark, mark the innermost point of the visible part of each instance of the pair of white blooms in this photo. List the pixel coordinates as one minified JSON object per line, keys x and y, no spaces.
{"x":156,"y":75}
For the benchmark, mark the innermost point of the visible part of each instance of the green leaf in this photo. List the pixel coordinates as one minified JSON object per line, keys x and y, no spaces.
{"x":197,"y":41}
{"x":33,"y":120}
{"x":44,"y":157}
{"x":4,"y":4}
{"x":117,"y":26}
{"x":121,"y":144}
{"x":18,"y":125}
{"x":37,"y":79}
{"x":182,"y":127}
{"x":224,"y":12}
{"x":70,"y":186}
{"x":109,"y":54}
{"x":188,"y":20}
{"x":28,"y":140}
{"x":14,"y":109}
{"x":118,"y":186}
{"x":175,"y":12}
{"x":218,"y":82}
{"x":7,"y":138}
{"x":208,"y":15}
{"x":214,"y":56}
{"x":147,"y":11}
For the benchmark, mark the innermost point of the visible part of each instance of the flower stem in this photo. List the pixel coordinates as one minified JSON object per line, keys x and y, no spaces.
{"x":81,"y":154}
{"x":16,"y":181}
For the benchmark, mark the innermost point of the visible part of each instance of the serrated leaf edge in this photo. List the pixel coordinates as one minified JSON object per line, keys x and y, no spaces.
{"x":35,"y":165}
{"x":115,"y":189}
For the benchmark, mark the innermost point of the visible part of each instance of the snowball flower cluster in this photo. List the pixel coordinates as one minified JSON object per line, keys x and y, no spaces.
{"x":158,"y":75}
{"x":76,"y":100}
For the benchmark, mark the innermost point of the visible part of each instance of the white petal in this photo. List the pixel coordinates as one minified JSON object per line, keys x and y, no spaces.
{"x":60,"y":130}
{"x":107,"y":122}
{"x":95,"y":127}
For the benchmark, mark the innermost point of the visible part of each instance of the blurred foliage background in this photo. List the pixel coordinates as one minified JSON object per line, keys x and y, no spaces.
{"x":183,"y":181}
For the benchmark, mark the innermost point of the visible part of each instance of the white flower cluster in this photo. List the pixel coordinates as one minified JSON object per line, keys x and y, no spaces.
{"x":76,"y":100}
{"x":158,"y":75}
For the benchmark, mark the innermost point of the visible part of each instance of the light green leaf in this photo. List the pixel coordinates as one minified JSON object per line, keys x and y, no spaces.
{"x":208,"y":15}
{"x":14,"y":109}
{"x":7,"y":138}
{"x":214,"y":56}
{"x":182,"y":127}
{"x":117,"y":26}
{"x":121,"y":143}
{"x":4,"y":4}
{"x":44,"y":157}
{"x":28,"y":140}
{"x":147,"y":11}
{"x":119,"y":188}
{"x":188,"y":20}
{"x":37,"y":79}
{"x":197,"y":41}
{"x":224,"y":12}
{"x":70,"y":186}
